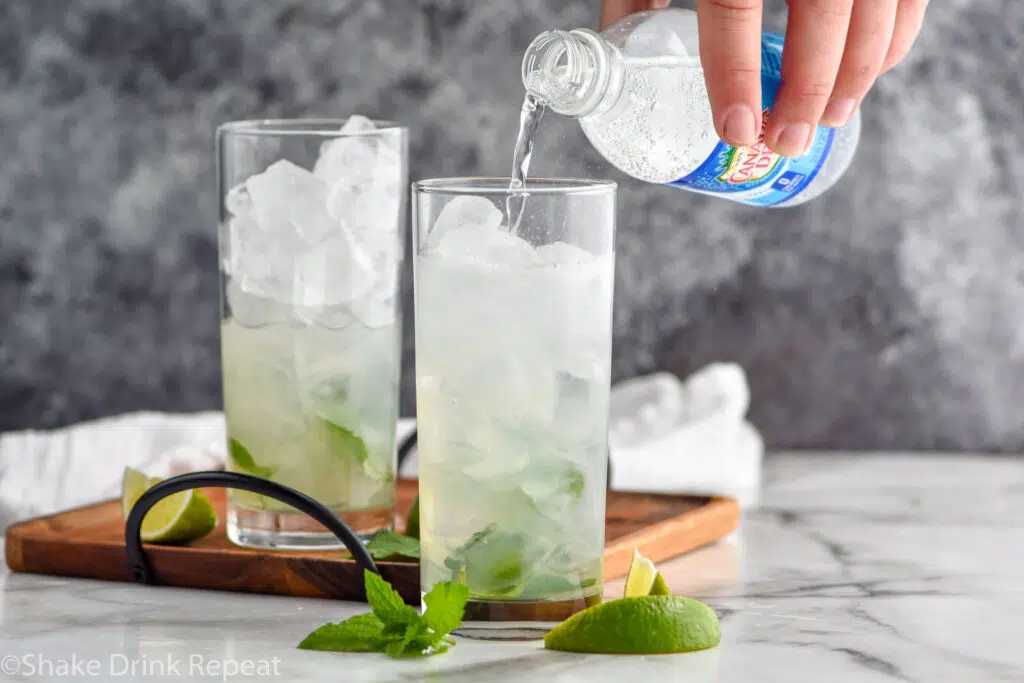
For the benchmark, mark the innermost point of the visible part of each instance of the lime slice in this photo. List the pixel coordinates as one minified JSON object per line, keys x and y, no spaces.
{"x":179,"y":518}
{"x":648,"y":625}
{"x":133,"y":484}
{"x":641,"y":576}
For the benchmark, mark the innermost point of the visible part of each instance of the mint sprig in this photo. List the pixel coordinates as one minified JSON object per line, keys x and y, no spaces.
{"x":393,"y":627}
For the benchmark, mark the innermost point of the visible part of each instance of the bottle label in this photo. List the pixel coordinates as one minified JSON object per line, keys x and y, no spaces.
{"x":756,"y":175}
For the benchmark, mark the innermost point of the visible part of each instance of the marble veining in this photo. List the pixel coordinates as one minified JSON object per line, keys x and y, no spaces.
{"x":857,"y":569}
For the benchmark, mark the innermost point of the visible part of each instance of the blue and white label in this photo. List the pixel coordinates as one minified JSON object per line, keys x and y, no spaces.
{"x":756,"y":175}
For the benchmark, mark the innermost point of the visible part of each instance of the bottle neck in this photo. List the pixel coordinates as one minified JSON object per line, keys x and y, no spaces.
{"x":572,"y":72}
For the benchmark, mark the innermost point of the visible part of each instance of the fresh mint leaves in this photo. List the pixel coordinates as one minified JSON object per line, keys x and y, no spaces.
{"x":439,"y":615}
{"x":243,"y":459}
{"x":494,"y":562}
{"x":387,"y":604}
{"x":345,"y":444}
{"x":361,"y":633}
{"x":387,"y":545}
{"x":393,"y":627}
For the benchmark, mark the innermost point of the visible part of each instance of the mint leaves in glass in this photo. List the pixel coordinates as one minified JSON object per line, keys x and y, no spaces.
{"x":310,"y":247}
{"x":513,"y":351}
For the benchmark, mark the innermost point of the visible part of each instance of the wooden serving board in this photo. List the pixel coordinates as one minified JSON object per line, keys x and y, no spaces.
{"x":88,"y":542}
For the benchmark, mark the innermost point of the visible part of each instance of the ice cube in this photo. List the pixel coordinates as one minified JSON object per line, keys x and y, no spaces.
{"x":309,"y":215}
{"x":274,"y":191}
{"x":461,"y":213}
{"x":370,"y":201}
{"x":336,"y":271}
{"x":345,"y":159}
{"x":562,"y":253}
{"x":348,"y":155}
{"x":364,"y":176}
{"x":358,"y":124}
{"x":238,"y":201}
{"x":281,"y":214}
{"x":376,"y":310}
{"x":496,"y":466}
{"x":378,"y":307}
{"x":259,"y":262}
{"x":494,"y":246}
{"x":251,"y":310}
{"x":518,"y":390}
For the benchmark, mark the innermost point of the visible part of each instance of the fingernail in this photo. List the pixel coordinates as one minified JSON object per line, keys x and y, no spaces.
{"x":810,"y":143}
{"x":739,"y":127}
{"x":792,"y":139}
{"x":838,"y":112}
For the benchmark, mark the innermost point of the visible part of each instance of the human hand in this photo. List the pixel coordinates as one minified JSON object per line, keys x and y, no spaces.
{"x":834,"y":51}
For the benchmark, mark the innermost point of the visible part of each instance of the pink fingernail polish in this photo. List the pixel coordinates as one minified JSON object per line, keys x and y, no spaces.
{"x":839,"y":111}
{"x":739,"y":127}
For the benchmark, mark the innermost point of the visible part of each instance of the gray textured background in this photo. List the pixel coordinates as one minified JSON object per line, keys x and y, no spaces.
{"x":886,"y":314}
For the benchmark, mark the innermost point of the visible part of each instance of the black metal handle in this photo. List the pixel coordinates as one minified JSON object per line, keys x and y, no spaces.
{"x":405,"y":448}
{"x":138,"y":563}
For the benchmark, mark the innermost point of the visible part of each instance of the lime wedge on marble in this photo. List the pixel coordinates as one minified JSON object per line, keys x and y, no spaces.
{"x":648,"y":625}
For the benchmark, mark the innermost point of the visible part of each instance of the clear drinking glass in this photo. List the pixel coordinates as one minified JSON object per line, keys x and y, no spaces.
{"x":311,"y":216}
{"x":513,"y":348}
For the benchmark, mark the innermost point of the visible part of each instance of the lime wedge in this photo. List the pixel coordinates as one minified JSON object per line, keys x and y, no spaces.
{"x":133,"y":484}
{"x":641,"y":576}
{"x":660,"y":587}
{"x":648,"y":625}
{"x":179,"y":518}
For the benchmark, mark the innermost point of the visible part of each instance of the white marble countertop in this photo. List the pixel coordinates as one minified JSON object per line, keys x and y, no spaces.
{"x":856,"y":569}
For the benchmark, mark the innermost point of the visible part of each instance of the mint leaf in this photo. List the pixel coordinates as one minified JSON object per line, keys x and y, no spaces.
{"x":346,"y":445}
{"x":501,"y":563}
{"x":243,"y":459}
{"x":446,"y":603}
{"x":387,"y":604}
{"x":361,"y":633}
{"x":395,"y":649}
{"x":387,"y":545}
{"x":410,"y":643}
{"x":393,"y":627}
{"x":456,"y":562}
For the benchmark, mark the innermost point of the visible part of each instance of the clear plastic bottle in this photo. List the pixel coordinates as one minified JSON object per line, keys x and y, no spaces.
{"x":638,"y":91}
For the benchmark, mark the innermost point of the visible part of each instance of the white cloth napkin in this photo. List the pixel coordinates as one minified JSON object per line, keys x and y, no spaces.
{"x":664,"y":436}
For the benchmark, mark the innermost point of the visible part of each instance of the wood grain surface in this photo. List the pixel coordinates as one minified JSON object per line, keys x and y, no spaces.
{"x":88,"y":542}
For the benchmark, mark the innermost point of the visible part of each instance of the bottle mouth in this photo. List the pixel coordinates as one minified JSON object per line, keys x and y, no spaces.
{"x":560,"y":69}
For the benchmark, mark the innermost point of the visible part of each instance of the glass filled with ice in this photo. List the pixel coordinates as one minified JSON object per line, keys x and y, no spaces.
{"x":513,"y":348}
{"x":311,"y":239}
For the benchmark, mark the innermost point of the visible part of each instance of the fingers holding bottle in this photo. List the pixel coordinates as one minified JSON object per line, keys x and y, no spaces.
{"x":730,"y":52}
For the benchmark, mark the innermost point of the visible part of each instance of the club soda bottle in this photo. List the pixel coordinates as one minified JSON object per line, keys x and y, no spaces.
{"x":638,"y":91}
